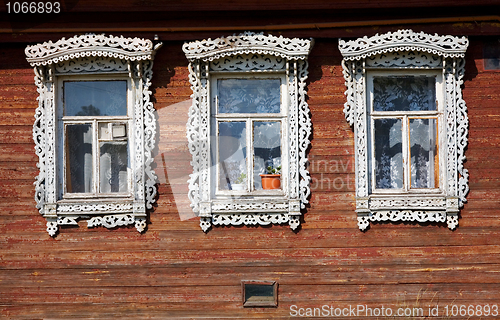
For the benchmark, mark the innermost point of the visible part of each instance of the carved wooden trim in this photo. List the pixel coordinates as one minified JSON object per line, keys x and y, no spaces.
{"x":90,"y":45}
{"x":97,"y":54}
{"x":406,"y":50}
{"x":248,"y":62}
{"x":248,"y":53}
{"x":245,"y":43}
{"x":404,"y":40}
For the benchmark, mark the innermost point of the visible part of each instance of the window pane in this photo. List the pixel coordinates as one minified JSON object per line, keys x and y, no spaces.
{"x":388,"y":154}
{"x":95,"y":98}
{"x":404,"y":93}
{"x":232,"y":156}
{"x":79,"y":158}
{"x":113,"y":165}
{"x":249,"y":95}
{"x":423,"y":151}
{"x":267,"y":148}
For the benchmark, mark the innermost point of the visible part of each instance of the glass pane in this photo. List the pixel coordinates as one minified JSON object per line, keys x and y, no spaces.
{"x":79,"y":158}
{"x":249,"y":95}
{"x":113,"y":163}
{"x":95,"y":98}
{"x":259,"y":293}
{"x":404,"y":93}
{"x":388,"y":154}
{"x":423,"y":152}
{"x":232,"y":156}
{"x":267,"y":148}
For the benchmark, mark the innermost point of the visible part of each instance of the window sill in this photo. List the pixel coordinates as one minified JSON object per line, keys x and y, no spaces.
{"x":404,"y":207}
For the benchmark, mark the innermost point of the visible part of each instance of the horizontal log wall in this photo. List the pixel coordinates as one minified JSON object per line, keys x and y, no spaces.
{"x":174,"y":270}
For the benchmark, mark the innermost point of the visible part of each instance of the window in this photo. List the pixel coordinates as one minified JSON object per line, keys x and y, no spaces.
{"x":404,"y":114}
{"x":94,"y":130}
{"x":247,"y":121}
{"x":410,"y":123}
{"x":258,"y":293}
{"x":491,"y":54}
{"x":94,"y":119}
{"x":248,"y":130}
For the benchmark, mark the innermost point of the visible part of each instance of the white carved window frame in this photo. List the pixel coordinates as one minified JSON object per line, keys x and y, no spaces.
{"x":93,"y":57}
{"x":249,"y":54}
{"x":407,"y":51}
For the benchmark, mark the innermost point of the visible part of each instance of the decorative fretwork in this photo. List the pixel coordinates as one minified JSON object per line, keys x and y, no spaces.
{"x":410,"y":202}
{"x":403,"y":216}
{"x":99,"y":55}
{"x":249,"y":53}
{"x":412,"y":59}
{"x":94,"y":207}
{"x":248,"y":43}
{"x":91,"y":65}
{"x":248,"y":62}
{"x":249,"y":219}
{"x":407,"y":50}
{"x":404,"y":40}
{"x":239,"y":205}
{"x":90,"y":45}
{"x":113,"y":221}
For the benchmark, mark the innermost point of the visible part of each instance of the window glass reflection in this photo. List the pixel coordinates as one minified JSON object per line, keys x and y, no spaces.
{"x":249,"y":95}
{"x":388,"y":154}
{"x":232,"y":156}
{"x":95,"y":98}
{"x":423,"y":151}
{"x":79,"y":158}
{"x":267,"y":148}
{"x":404,"y":93}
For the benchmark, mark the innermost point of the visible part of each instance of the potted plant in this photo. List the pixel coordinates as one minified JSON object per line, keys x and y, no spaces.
{"x":239,"y":183}
{"x":272,"y":178}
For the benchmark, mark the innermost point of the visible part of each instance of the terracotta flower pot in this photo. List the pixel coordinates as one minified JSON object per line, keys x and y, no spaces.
{"x":271,"y":181}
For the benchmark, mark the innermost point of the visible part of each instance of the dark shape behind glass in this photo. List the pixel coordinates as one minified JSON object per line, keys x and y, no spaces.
{"x":388,"y":154}
{"x":423,"y":151}
{"x":79,"y":158}
{"x":89,"y":111}
{"x":113,"y":167}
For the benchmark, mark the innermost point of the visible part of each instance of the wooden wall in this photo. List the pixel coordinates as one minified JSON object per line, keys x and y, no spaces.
{"x":174,"y":270}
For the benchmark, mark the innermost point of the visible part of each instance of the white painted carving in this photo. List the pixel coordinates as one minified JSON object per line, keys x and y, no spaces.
{"x":405,"y":50}
{"x":248,"y":52}
{"x":406,"y":59}
{"x":94,"y":207}
{"x":248,"y":62}
{"x":404,"y":40}
{"x":394,"y":202}
{"x":67,"y":220}
{"x":237,"y":205}
{"x":249,"y":219}
{"x":111,"y":221}
{"x":91,"y":64}
{"x":402,"y":215}
{"x":97,"y":54}
{"x":452,"y":221}
{"x":90,"y":45}
{"x":248,"y":43}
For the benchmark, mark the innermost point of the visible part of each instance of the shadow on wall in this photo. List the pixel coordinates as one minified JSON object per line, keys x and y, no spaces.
{"x":172,"y":157}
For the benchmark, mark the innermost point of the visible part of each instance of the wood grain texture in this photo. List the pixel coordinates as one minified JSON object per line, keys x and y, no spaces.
{"x":174,"y":270}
